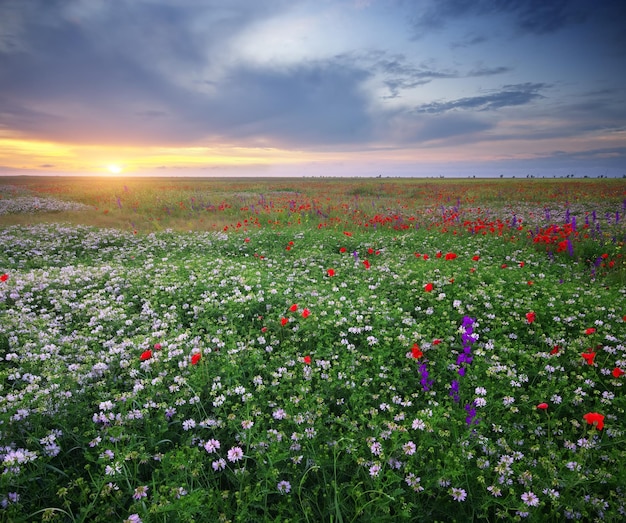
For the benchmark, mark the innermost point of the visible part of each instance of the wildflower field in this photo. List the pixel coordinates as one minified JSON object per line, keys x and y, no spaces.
{"x":312,"y":350}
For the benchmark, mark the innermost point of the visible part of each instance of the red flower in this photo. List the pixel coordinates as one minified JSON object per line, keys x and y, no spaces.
{"x":370,"y":251}
{"x":503,"y":266}
{"x":196,"y":358}
{"x":436,"y":341}
{"x":306,"y":313}
{"x":617,"y":372}
{"x":429,"y":287}
{"x":366,"y":263}
{"x":4,"y":277}
{"x":590,"y":330}
{"x":542,"y":406}
{"x":342,"y":250}
{"x":555,"y":350}
{"x":145,"y":355}
{"x":330,"y":272}
{"x":476,"y":258}
{"x":307,"y":359}
{"x":521,"y":264}
{"x":294,"y":307}
{"x":416,"y":352}
{"x":438,"y":255}
{"x":425,"y":256}
{"x":450,"y":256}
{"x":263,"y":329}
{"x":283,"y":321}
{"x":589,"y":357}
{"x":531,"y":317}
{"x":595,"y":418}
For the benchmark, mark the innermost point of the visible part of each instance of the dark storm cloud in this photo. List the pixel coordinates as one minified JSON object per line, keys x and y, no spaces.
{"x":509,"y":95}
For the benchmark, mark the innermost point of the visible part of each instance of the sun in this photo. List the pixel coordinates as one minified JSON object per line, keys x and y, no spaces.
{"x":114,"y":169}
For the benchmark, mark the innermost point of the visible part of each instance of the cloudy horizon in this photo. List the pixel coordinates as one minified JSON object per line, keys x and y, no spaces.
{"x":313,"y":88}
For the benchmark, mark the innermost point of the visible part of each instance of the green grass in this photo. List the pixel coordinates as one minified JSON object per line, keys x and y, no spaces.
{"x":337,"y":414}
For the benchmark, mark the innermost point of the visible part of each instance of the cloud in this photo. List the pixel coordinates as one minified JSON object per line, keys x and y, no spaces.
{"x":528,"y":16}
{"x":509,"y":95}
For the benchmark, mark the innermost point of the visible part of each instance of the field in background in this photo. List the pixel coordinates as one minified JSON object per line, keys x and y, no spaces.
{"x":312,"y":350}
{"x":151,"y":204}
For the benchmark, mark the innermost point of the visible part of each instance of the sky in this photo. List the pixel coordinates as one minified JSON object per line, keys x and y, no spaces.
{"x":313,"y":87}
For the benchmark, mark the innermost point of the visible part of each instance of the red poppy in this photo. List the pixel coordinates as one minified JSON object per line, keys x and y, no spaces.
{"x":503,"y":266}
{"x":555,"y":350}
{"x":436,"y":341}
{"x":429,"y":287}
{"x":438,"y":255}
{"x":425,"y":256}
{"x":145,"y":355}
{"x":590,"y":330}
{"x":330,"y":272}
{"x":521,"y":264}
{"x":283,"y":321}
{"x":542,"y":406}
{"x":589,"y":357}
{"x":307,"y":359}
{"x":450,"y":256}
{"x":476,"y":258}
{"x":306,"y":313}
{"x":263,"y":329}
{"x":342,"y":250}
{"x":531,"y":317}
{"x":370,"y":251}
{"x":366,"y":263}
{"x":416,"y":352}
{"x":196,"y":358}
{"x":4,"y":277}
{"x":617,"y":372}
{"x":595,"y":418}
{"x":294,"y":307}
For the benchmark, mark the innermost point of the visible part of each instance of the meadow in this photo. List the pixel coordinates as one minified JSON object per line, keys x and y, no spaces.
{"x":312,"y":350}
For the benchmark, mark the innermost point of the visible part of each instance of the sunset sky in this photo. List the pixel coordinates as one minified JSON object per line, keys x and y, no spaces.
{"x":313,"y":87}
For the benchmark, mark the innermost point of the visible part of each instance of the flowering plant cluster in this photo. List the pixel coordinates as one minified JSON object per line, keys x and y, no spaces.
{"x":223,"y":374}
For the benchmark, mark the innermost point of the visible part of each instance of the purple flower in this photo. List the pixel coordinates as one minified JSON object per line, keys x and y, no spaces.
{"x":235,"y":454}
{"x":284,"y":487}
